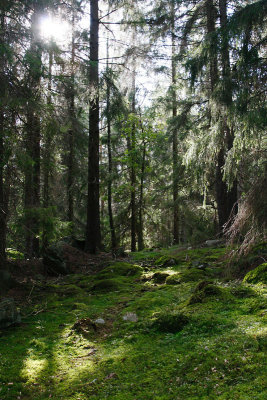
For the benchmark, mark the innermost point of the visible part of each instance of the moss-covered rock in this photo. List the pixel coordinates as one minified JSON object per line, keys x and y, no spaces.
{"x":159,"y":277}
{"x":106,"y":285}
{"x":170,"y":323}
{"x":257,"y":275}
{"x":69,"y":290}
{"x":262,"y":342}
{"x":204,"y":290}
{"x":190,"y":275}
{"x":242,"y":292}
{"x":121,"y":268}
{"x":174,"y":279}
{"x":53,"y":260}
{"x":165,"y":261}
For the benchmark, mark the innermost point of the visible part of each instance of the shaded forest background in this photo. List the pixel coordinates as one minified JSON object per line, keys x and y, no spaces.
{"x":91,"y":149}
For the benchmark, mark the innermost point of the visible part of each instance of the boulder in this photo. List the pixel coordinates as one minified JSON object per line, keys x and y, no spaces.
{"x":169,"y":323}
{"x":6,"y":281}
{"x":53,"y":260}
{"x":9,"y":314}
{"x":160,"y":277}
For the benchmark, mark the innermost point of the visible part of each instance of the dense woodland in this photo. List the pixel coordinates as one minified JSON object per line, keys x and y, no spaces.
{"x":133,"y":258}
{"x":143,"y":126}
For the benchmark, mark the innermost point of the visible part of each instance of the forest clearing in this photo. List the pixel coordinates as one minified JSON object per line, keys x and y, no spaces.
{"x":133,"y":187}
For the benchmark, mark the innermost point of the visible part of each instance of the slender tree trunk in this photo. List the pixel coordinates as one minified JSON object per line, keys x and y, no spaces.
{"x":46,"y":188}
{"x":110,"y":163}
{"x":93,"y":235}
{"x":2,"y":203}
{"x":70,"y":181}
{"x":174,"y":136}
{"x":32,"y":171}
{"x":47,"y":152}
{"x":2,"y":155}
{"x":140,"y":227}
{"x":132,"y":168}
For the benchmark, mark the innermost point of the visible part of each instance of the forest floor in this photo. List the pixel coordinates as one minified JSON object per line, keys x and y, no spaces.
{"x":162,"y":325}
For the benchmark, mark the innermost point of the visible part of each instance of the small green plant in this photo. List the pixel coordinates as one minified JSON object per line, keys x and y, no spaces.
{"x":14,"y":254}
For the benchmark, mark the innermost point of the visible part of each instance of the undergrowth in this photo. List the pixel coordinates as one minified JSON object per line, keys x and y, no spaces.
{"x":200,"y":337}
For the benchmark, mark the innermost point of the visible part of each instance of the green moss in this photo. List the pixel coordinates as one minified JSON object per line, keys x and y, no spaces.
{"x":165,"y":261}
{"x":242,"y":291}
{"x":159,"y":277}
{"x":14,"y":254}
{"x":106,"y":285}
{"x":121,"y":268}
{"x":215,"y":349}
{"x":190,"y":275}
{"x":262,"y":341}
{"x":204,"y":290}
{"x":174,"y":279}
{"x":257,"y":275}
{"x":169,"y":322}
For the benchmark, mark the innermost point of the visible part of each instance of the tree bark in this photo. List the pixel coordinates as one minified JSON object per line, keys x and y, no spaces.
{"x":93,"y":234}
{"x":46,"y":188}
{"x":174,"y":136}
{"x":2,"y":155}
{"x":110,"y":164}
{"x":70,"y":180}
{"x":132,"y":169}
{"x":226,"y":198}
{"x":140,"y":227}
{"x":33,"y":136}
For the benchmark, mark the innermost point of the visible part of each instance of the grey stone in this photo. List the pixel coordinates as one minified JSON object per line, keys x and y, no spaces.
{"x":9,"y":314}
{"x":130,"y":316}
{"x":100,"y":321}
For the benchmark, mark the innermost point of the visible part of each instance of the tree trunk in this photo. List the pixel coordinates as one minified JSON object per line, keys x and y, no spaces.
{"x":140,"y":228}
{"x":174,"y":136}
{"x":110,"y":164}
{"x":93,"y":235}
{"x":132,"y":169}
{"x":32,"y":171}
{"x":2,"y":155}
{"x":226,"y":199}
{"x":70,"y":181}
{"x":47,"y":152}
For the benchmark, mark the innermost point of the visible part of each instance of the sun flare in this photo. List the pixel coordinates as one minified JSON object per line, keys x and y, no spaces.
{"x":54,"y":28}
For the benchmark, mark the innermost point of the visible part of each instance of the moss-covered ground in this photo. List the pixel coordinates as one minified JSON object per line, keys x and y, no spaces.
{"x":197,"y":336}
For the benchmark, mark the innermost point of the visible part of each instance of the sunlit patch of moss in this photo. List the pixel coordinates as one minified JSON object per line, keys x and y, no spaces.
{"x":190,"y":275}
{"x":33,"y":368}
{"x":257,"y":275}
